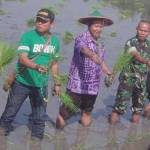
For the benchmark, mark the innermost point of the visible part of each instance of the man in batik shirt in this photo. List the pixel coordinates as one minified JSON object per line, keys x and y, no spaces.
{"x":133,"y":76}
{"x":86,"y":67}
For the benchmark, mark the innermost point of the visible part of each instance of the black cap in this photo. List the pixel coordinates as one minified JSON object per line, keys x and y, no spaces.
{"x":45,"y":14}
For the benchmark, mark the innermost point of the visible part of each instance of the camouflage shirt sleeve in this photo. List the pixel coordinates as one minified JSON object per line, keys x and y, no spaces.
{"x":129,"y":48}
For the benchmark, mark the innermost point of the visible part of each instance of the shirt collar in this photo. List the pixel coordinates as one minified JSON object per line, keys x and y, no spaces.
{"x":90,"y":38}
{"x":139,"y":40}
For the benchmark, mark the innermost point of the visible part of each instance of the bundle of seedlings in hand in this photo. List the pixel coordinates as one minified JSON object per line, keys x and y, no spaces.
{"x":7,"y":54}
{"x":64,"y":97}
{"x":121,"y":62}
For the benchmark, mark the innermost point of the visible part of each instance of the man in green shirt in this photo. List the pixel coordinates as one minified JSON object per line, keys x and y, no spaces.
{"x":36,"y":51}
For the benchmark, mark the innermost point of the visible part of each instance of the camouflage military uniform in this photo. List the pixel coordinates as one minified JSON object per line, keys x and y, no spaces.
{"x":132,"y":79}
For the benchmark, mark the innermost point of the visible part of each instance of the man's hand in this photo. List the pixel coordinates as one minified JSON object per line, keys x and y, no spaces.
{"x":109,"y":80}
{"x":56,"y":90}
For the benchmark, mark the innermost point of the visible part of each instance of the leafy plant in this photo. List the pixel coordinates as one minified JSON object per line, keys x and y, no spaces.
{"x":67,"y":101}
{"x":68,"y":37}
{"x":53,"y":9}
{"x":64,"y":97}
{"x":7,"y":54}
{"x":113,"y":34}
{"x":121,"y":62}
{"x":30,"y":22}
{"x":57,"y":57}
{"x":2,"y":12}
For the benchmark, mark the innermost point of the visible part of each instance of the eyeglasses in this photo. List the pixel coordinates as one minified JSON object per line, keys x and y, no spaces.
{"x":41,"y":20}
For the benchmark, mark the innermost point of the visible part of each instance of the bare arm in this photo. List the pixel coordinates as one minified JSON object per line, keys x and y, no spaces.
{"x":105,"y":69}
{"x":93,"y":56}
{"x":55,"y":71}
{"x":23,"y":59}
{"x":138,"y":57}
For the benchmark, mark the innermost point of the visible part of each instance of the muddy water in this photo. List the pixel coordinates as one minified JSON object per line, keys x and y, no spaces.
{"x":99,"y":136}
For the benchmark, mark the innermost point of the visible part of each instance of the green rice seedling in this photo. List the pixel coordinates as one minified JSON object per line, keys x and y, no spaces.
{"x":61,"y":3}
{"x":22,"y":1}
{"x":64,"y":97}
{"x":121,"y":62}
{"x":68,"y":37}
{"x":57,"y":57}
{"x":7,"y":54}
{"x":113,"y":34}
{"x":53,"y":9}
{"x":2,"y":12}
{"x":62,"y":79}
{"x":31,"y":22}
{"x":67,"y":101}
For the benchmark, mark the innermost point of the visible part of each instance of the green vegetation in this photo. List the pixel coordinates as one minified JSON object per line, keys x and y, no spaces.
{"x":121,"y":62}
{"x":68,"y":37}
{"x":64,"y":97}
{"x":30,"y":22}
{"x":53,"y":9}
{"x":7,"y":54}
{"x":2,"y":12}
{"x":57,"y":57}
{"x":113,"y":34}
{"x":127,"y":8}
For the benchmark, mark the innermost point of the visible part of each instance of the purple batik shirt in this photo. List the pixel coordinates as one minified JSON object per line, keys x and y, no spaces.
{"x":84,"y":74}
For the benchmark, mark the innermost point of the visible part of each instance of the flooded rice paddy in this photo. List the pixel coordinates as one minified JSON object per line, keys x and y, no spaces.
{"x":17,"y":16}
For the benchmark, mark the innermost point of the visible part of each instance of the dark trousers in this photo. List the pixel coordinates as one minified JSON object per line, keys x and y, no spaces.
{"x":17,"y":95}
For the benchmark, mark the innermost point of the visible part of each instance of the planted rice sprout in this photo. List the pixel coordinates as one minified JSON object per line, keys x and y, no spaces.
{"x":7,"y":54}
{"x":53,"y":9}
{"x":68,"y":37}
{"x":64,"y":97}
{"x":31,"y":22}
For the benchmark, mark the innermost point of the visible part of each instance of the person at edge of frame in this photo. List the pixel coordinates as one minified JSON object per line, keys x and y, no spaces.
{"x":32,"y":81}
{"x":133,"y":77}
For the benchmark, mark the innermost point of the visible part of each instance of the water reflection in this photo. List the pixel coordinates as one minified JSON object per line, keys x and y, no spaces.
{"x":131,"y":140}
{"x":81,"y":137}
{"x":35,"y":144}
{"x":3,"y":142}
{"x":112,"y":142}
{"x":138,"y":137}
{"x":60,"y":141}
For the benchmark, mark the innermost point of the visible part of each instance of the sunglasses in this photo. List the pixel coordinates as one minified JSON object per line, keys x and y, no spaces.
{"x":41,"y":20}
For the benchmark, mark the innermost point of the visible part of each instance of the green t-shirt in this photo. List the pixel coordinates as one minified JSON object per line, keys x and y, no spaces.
{"x":32,"y":43}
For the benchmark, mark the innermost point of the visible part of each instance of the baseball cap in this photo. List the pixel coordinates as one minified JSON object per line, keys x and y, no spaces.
{"x":45,"y":14}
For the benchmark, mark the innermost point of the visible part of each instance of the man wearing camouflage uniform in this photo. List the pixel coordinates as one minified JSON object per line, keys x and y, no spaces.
{"x":133,"y":76}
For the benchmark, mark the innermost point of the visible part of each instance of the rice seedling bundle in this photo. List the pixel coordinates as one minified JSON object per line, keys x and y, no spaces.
{"x":121,"y":62}
{"x":7,"y":54}
{"x":64,"y":97}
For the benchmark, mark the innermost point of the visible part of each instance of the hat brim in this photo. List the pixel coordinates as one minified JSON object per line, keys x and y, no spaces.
{"x":43,"y":18}
{"x":87,"y":20}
